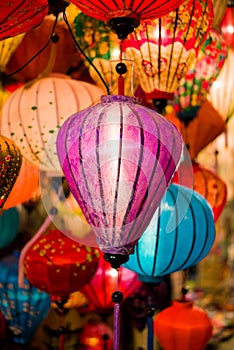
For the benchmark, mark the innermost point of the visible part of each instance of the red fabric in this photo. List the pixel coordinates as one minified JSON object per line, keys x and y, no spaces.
{"x":19,"y":16}
{"x":58,"y":265}
{"x":227,"y":26}
{"x":140,"y":9}
{"x":182,"y":326}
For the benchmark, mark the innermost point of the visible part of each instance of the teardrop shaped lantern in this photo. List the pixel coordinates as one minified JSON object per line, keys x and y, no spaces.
{"x":163,"y":49}
{"x":180,"y":234}
{"x":118,"y":158}
{"x":99,"y":290}
{"x":227,"y":24}
{"x":19,"y":16}
{"x":10,"y":164}
{"x":33,"y":114}
{"x":58,"y":265}
{"x":204,"y":70}
{"x":183,"y":325}
{"x":220,"y":94}
{"x":9,"y":226}
{"x":23,"y":308}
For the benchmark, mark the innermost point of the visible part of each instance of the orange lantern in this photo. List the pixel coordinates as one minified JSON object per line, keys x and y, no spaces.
{"x":10,"y":164}
{"x":33,"y":41}
{"x":25,"y":187}
{"x":183,"y":326}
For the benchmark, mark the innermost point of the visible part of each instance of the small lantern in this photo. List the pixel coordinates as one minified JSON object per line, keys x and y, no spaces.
{"x":96,"y":335}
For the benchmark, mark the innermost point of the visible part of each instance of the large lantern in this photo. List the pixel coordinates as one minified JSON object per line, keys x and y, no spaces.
{"x":194,"y":87}
{"x":180,"y":235}
{"x":123,"y":16}
{"x":163,"y":49}
{"x":19,"y":16}
{"x":32,"y":114}
{"x":23,"y":308}
{"x":9,"y":226}
{"x":118,"y":158}
{"x":10,"y":164}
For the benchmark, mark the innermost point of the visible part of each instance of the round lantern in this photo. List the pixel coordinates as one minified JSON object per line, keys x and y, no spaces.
{"x":34,"y":40}
{"x":23,"y":308}
{"x":10,"y":164}
{"x":19,"y":16}
{"x":194,"y":87}
{"x":227,"y":24}
{"x":118,"y":158}
{"x":163,"y":49}
{"x":25,"y":187}
{"x":96,"y":335}
{"x":220,"y":94}
{"x":180,"y":234}
{"x":9,"y":226}
{"x":58,"y":265}
{"x":183,"y":325}
{"x":32,"y":114}
{"x":99,"y":290}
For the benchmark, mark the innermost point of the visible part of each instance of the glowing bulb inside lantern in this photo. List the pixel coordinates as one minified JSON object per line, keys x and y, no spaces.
{"x":116,"y":53}
{"x":113,"y":273}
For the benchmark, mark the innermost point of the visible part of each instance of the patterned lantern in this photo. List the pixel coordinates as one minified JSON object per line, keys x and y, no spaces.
{"x":194,"y":87}
{"x":36,"y":39}
{"x":7,"y":48}
{"x":227,"y":24}
{"x":163,"y":49}
{"x":32,"y":114}
{"x":102,"y":48}
{"x":180,"y":235}
{"x":25,"y":187}
{"x":220,"y":94}
{"x":9,"y":226}
{"x":58,"y":265}
{"x":99,"y":290}
{"x":118,"y":158}
{"x":10,"y":164}
{"x":123,"y":16}
{"x":23,"y":308}
{"x":19,"y":16}
{"x":183,"y":326}
{"x":96,"y":335}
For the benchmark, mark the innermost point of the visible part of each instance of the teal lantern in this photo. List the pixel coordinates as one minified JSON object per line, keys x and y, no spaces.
{"x":9,"y":225}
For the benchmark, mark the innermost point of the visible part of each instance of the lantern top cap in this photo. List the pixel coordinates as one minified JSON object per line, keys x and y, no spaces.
{"x":119,"y":98}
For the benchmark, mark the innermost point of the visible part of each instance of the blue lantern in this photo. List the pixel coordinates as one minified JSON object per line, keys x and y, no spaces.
{"x":23,"y":308}
{"x":9,"y":225}
{"x":180,"y":234}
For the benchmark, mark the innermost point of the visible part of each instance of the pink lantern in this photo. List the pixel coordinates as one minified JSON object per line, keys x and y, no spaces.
{"x":118,"y":158}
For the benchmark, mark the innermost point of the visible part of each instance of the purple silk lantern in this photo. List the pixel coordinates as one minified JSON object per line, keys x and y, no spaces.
{"x":118,"y":158}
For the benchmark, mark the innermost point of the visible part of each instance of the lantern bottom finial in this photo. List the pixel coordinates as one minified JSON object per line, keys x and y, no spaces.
{"x":123,"y":26}
{"x":116,"y":260}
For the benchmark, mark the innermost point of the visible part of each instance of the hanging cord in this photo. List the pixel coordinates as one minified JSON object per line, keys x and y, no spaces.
{"x":84,"y":54}
{"x":150,"y":314}
{"x":39,"y":52}
{"x":117,"y":297}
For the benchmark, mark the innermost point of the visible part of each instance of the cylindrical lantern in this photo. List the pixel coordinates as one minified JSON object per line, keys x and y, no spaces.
{"x":58,"y":265}
{"x":220,"y":94}
{"x":180,"y":234}
{"x":183,"y":325}
{"x":118,"y":158}
{"x":23,"y":308}
{"x":32,"y":114}
{"x":9,"y":226}
{"x":163,"y":49}
{"x":10,"y":164}
{"x":99,"y":290}
{"x":33,"y":41}
{"x":194,"y":87}
{"x":19,"y":16}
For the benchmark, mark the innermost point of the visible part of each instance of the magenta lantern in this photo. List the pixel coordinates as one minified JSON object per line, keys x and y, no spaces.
{"x":118,"y":158}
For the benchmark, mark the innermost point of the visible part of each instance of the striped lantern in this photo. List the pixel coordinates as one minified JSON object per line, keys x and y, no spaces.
{"x":34,"y":112}
{"x":163,"y":49}
{"x":180,"y":235}
{"x":19,"y":16}
{"x":118,"y":158}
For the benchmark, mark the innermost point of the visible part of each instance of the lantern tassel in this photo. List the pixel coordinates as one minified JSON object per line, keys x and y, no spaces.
{"x":116,"y":326}
{"x":121,"y":85}
{"x":150,"y":338}
{"x":61,"y":342}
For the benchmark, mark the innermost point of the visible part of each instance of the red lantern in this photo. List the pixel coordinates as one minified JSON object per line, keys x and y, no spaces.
{"x":97,"y":336}
{"x":58,"y":265}
{"x":183,"y":326}
{"x":123,"y":15}
{"x":2,"y":327}
{"x":19,"y":16}
{"x":227,"y":24}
